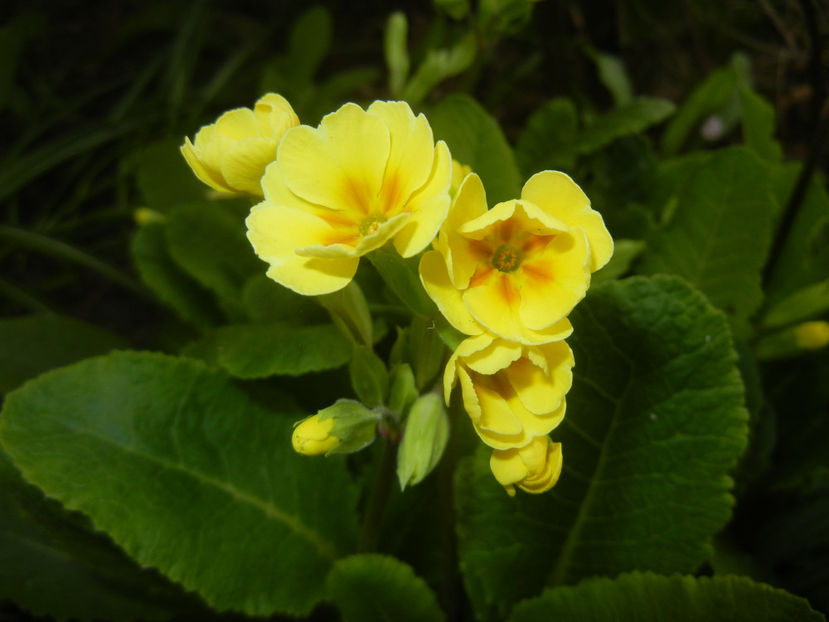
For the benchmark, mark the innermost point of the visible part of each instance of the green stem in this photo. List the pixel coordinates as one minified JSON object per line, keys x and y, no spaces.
{"x":379,"y":496}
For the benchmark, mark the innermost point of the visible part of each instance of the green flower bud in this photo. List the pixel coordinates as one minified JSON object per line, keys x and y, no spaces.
{"x":794,"y":340}
{"x":402,"y":390}
{"x":424,"y":439}
{"x":344,"y":427}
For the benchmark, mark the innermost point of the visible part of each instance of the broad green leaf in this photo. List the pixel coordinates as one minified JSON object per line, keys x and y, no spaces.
{"x":719,"y":233}
{"x":34,"y":344}
{"x":543,"y":144}
{"x":646,"y":597}
{"x":186,"y":474}
{"x":634,"y":117}
{"x":378,"y":587}
{"x":164,"y":178}
{"x":171,"y":284}
{"x":758,"y":125}
{"x":624,"y":254}
{"x":208,"y":241}
{"x":266,"y":300}
{"x":309,"y":42}
{"x":476,"y":140}
{"x":654,"y":424}
{"x":51,"y":563}
{"x":262,"y":350}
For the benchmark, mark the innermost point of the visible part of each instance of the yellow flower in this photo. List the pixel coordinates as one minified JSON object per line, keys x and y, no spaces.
{"x":518,"y":269}
{"x":812,"y":335}
{"x":513,"y":393}
{"x":459,"y":173}
{"x":345,"y":188}
{"x":534,"y":468}
{"x":312,"y":436}
{"x":231,"y":154}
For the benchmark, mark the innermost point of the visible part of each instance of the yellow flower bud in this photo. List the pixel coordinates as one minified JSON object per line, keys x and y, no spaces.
{"x":812,"y":335}
{"x":231,"y":154}
{"x":312,"y":436}
{"x":534,"y":468}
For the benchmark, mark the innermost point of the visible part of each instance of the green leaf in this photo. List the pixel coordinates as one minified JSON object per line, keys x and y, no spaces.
{"x":164,"y":178}
{"x":186,"y":474}
{"x":758,"y":125}
{"x":719,"y":234}
{"x":171,"y":284}
{"x":266,"y":300}
{"x":631,"y":118}
{"x":613,"y":75}
{"x":396,"y":52}
{"x":655,"y":422}
{"x":544,"y":142}
{"x":476,"y":140}
{"x":803,"y":304}
{"x":645,"y":597}
{"x":624,"y":254}
{"x":208,"y":241}
{"x":369,"y":376}
{"x":378,"y":587}
{"x":36,"y":343}
{"x":310,"y":41}
{"x":438,"y":65}
{"x":51,"y":563}
{"x":262,"y":350}
{"x":401,"y":276}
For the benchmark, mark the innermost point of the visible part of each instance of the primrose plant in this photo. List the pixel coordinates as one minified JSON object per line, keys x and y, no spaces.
{"x":504,"y":278}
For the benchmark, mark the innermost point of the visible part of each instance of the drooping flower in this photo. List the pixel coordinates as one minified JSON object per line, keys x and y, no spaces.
{"x":512,"y":392}
{"x":534,"y":468}
{"x":231,"y":154}
{"x":345,"y":188}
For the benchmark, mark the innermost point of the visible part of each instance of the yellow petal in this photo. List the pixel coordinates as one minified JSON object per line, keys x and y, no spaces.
{"x":312,"y":437}
{"x":560,"y":196}
{"x":547,"y":470}
{"x":276,"y":231}
{"x":536,"y":390}
{"x":340,"y":164}
{"x":429,"y":206}
{"x":367,"y":243}
{"x":410,"y":156}
{"x":237,"y":124}
{"x":274,"y":115}
{"x":244,"y":163}
{"x":508,"y":468}
{"x":497,"y":355}
{"x":436,"y":281}
{"x":497,"y":420}
{"x":469,"y":203}
{"x":207,"y":176}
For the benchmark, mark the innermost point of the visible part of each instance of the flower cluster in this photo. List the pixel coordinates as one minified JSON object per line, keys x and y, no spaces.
{"x":507,"y":277}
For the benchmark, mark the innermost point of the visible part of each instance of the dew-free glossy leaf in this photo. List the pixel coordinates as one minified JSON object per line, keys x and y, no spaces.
{"x":646,"y":597}
{"x":654,"y":424}
{"x":36,"y":343}
{"x":476,"y":140}
{"x":186,"y":474}
{"x":378,"y":587}
{"x":719,"y":233}
{"x":164,"y":178}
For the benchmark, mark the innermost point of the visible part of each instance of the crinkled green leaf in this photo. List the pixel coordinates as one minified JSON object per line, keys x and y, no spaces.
{"x":378,"y":587}
{"x":34,"y":344}
{"x":476,"y":140}
{"x":51,"y":563}
{"x":655,"y":422}
{"x":186,"y":474}
{"x":207,"y":240}
{"x":174,"y":287}
{"x":261,"y":350}
{"x":646,"y":597}
{"x":719,"y":233}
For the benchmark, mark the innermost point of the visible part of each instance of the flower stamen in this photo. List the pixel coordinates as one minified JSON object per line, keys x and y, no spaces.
{"x":506,"y":258}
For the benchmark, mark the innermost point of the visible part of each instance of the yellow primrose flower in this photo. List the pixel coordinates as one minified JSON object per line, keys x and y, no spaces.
{"x":518,"y":269}
{"x":513,"y":393}
{"x":312,"y":436}
{"x":345,"y":188}
{"x":534,"y":468}
{"x":459,"y":173}
{"x":231,"y":154}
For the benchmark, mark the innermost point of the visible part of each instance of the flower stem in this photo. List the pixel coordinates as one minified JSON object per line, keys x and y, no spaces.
{"x":379,"y":496}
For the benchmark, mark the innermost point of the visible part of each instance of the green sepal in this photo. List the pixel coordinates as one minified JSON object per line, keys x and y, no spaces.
{"x":354,"y":424}
{"x":424,"y":439}
{"x":426,"y":351}
{"x":369,"y":376}
{"x":402,"y":389}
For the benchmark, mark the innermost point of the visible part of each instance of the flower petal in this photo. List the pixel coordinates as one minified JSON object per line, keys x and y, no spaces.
{"x":340,"y":164}
{"x":429,"y":206}
{"x":244,"y":162}
{"x":204,"y":174}
{"x":559,"y":195}
{"x":469,"y":203}
{"x":275,"y":231}
{"x":448,"y":299}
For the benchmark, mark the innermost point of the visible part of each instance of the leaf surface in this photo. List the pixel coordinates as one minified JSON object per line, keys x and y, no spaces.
{"x":186,"y":474}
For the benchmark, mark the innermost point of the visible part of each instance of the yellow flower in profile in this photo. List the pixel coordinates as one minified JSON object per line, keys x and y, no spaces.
{"x":513,"y":393}
{"x":345,"y":188}
{"x":459,"y":173}
{"x":534,"y":468}
{"x":231,"y":154}
{"x":518,"y":269}
{"x":312,"y":436}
